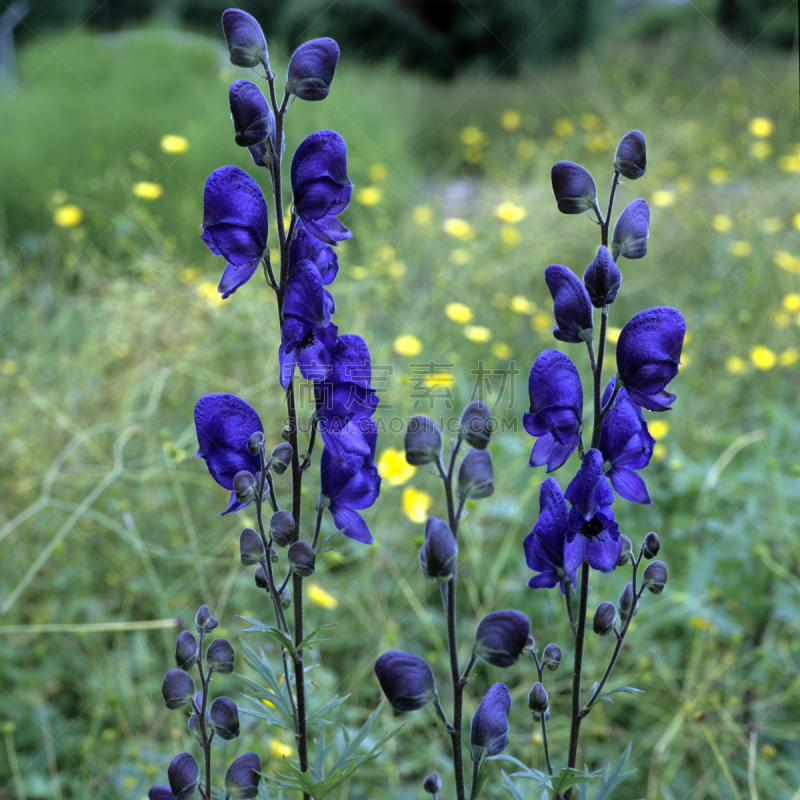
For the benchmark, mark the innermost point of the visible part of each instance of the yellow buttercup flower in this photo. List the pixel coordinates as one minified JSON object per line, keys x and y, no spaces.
{"x":407,"y":345}
{"x":721,"y":223}
{"x":174,"y":145}
{"x":458,"y":228}
{"x":788,"y":357}
{"x":501,"y":350}
{"x":612,"y":334}
{"x":786,"y":261}
{"x":510,"y":235}
{"x":736,"y":365}
{"x":378,"y":172}
{"x":791,"y":302}
{"x":761,"y":150}
{"x":562,"y":128}
{"x":279,"y":749}
{"x":148,"y":191}
{"x":473,"y":137}
{"x":439,"y":379}
{"x":770,"y":225}
{"x":318,"y":596}
{"x":521,"y":305}
{"x":477,"y":333}
{"x":663,"y":198}
{"x":68,"y":216}
{"x":422,"y":215}
{"x":208,"y":292}
{"x":459,"y":256}
{"x":761,"y":127}
{"x":740,"y":248}
{"x":658,"y":428}
{"x":369,"y":196}
{"x":763,"y":358}
{"x":458,"y":312}
{"x":509,"y":212}
{"x":717,"y":175}
{"x":416,"y":504}
{"x":393,"y":467}
{"x":510,"y":120}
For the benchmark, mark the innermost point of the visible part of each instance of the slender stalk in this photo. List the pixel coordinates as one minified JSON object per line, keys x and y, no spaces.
{"x":273,"y":500}
{"x":317,"y":525}
{"x":570,"y":614}
{"x":299,"y":675}
{"x":546,"y":746}
{"x":311,"y":440}
{"x":465,"y":674}
{"x":207,"y":737}
{"x":605,"y":224}
{"x":598,"y":378}
{"x":578,"y":669}
{"x":476,"y":766}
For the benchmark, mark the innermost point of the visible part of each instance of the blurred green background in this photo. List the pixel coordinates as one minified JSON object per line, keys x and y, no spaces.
{"x":112,"y":328}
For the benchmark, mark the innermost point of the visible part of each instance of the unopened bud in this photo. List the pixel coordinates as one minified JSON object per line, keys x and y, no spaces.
{"x":281,"y":528}
{"x":537,"y":698}
{"x":177,"y":689}
{"x":433,"y":783}
{"x":251,"y":548}
{"x":245,"y":39}
{"x":573,"y":187}
{"x":186,"y":650}
{"x":194,"y":726}
{"x":439,"y":553}
{"x":244,"y":486}
{"x":476,"y":425}
{"x":261,"y":578}
{"x":423,"y":441}
{"x":625,"y":601}
{"x":652,"y":544}
{"x":551,"y":657}
{"x":631,"y":231}
{"x":255,"y":443}
{"x":604,"y":618}
{"x":630,"y":160}
{"x":286,"y":598}
{"x":301,"y":557}
{"x":311,"y":69}
{"x":625,"y":550}
{"x":286,"y":433}
{"x":475,"y":476}
{"x":242,"y":777}
{"x":281,"y":458}
{"x":501,"y":637}
{"x":225,"y":718}
{"x":184,"y":776}
{"x":537,"y":715}
{"x":220,"y":656}
{"x":654,"y":577}
{"x":203,"y":620}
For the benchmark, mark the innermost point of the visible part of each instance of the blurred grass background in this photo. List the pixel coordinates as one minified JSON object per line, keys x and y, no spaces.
{"x":112,"y":328}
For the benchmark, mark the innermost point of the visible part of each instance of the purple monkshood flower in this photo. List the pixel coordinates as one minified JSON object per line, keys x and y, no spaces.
{"x":234,"y":224}
{"x":245,"y":39}
{"x":556,"y":397}
{"x":305,"y":247}
{"x":406,"y":680}
{"x":224,"y":423}
{"x":573,"y":187}
{"x":488,"y":731}
{"x":571,"y":306}
{"x":631,"y":231}
{"x":602,"y":279}
{"x":648,"y":355}
{"x":593,"y":533}
{"x":321,"y":187}
{"x":311,"y":69}
{"x":253,"y":118}
{"x":626,"y":446}
{"x":351,"y":485}
{"x":630,"y":160}
{"x":545,"y":544}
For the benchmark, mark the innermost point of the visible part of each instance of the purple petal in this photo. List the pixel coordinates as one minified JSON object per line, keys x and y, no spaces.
{"x":311,"y":69}
{"x":602,"y":279}
{"x":245,"y":39}
{"x":630,"y":160}
{"x":589,"y":491}
{"x":629,"y":484}
{"x":573,"y":187}
{"x":571,"y":306}
{"x":631,"y":231}
{"x":253,"y":118}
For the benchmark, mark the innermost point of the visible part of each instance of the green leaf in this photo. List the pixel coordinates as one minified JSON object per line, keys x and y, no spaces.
{"x":511,"y":787}
{"x":615,"y":777}
{"x":316,"y":715}
{"x":281,"y":638}
{"x":273,"y":691}
{"x":569,"y":776}
{"x":314,"y":636}
{"x":525,"y":770}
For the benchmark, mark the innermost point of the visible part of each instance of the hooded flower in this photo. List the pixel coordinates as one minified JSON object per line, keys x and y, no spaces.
{"x":224,"y":423}
{"x":253,"y":119}
{"x":311,"y":69}
{"x":630,"y":160}
{"x":406,"y":680}
{"x":545,"y":544}
{"x":602,"y":279}
{"x":321,"y":187}
{"x":573,"y":187}
{"x":593,"y":533}
{"x":308,"y":346}
{"x":626,"y":446}
{"x":501,"y":637}
{"x":648,"y":355}
{"x":571,"y":306}
{"x":556,"y":407}
{"x":245,"y":39}
{"x":488,"y":731}
{"x":631,"y":231}
{"x":234,"y":224}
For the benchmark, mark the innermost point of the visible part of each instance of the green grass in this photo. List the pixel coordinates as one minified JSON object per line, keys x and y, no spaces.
{"x":109,"y":338}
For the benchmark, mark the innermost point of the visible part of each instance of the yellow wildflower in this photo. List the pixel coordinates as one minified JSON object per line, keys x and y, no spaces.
{"x":526,"y":149}
{"x":663,"y":198}
{"x":721,"y":223}
{"x":416,"y":504}
{"x":407,"y":345}
{"x":68,"y":216}
{"x":768,"y":751}
{"x":761,"y":150}
{"x":473,"y":137}
{"x":510,"y":120}
{"x":736,"y":365}
{"x":358,"y":273}
{"x":658,"y":428}
{"x":459,"y":256}
{"x":208,"y":292}
{"x":791,"y":301}
{"x":770,"y":225}
{"x":501,"y":350}
{"x":317,"y":595}
{"x":562,"y":128}
{"x":148,"y":191}
{"x":509,"y":212}
{"x":378,"y":172}
{"x":763,"y":358}
{"x":717,"y":175}
{"x":786,"y":261}
{"x":458,"y":228}
{"x":542,"y":322}
{"x":422,"y":215}
{"x":789,"y":163}
{"x":761,"y":127}
{"x":521,"y":305}
{"x":788,"y":357}
{"x":477,"y":333}
{"x":740,"y":248}
{"x":392,"y":466}
{"x":279,"y":749}
{"x":438,"y":379}
{"x":510,"y":235}
{"x":796,"y":221}
{"x":591,"y":121}
{"x":174,"y":145}
{"x":8,"y":367}
{"x":369,"y":196}
{"x":189,"y":274}
{"x":458,"y":312}
{"x":612,"y":334}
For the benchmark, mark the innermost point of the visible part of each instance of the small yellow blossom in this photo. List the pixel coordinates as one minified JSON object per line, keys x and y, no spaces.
{"x":358,"y":273}
{"x":407,"y":345}
{"x":279,"y":749}
{"x":786,"y":261}
{"x":397,"y":269}
{"x":595,"y":142}
{"x":781,"y":320}
{"x":770,"y":225}
{"x":386,"y":252}
{"x":8,"y":367}
{"x":473,"y":155}
{"x":392,"y":466}
{"x":761,"y":150}
{"x":768,"y":751}
{"x":791,"y":301}
{"x":459,"y":256}
{"x":148,"y":191}
{"x":658,"y":428}
{"x":509,"y":212}
{"x":612,"y":334}
{"x":761,"y":127}
{"x":736,"y":365}
{"x":659,"y":451}
{"x":562,"y":128}
{"x":591,"y":121}
{"x":174,"y":145}
{"x":510,"y":120}
{"x":763,"y":358}
{"x":268,"y":703}
{"x":526,"y":149}
{"x":458,"y":228}
{"x":702,"y":624}
{"x":68,"y":216}
{"x":458,"y":312}
{"x":477,"y":333}
{"x":208,"y":292}
{"x":542,"y":322}
{"x":422,"y":215}
{"x":416,"y":504}
{"x":789,"y":163}
{"x":501,"y":350}
{"x":796,"y":221}
{"x":510,"y":235}
{"x":788,"y":357}
{"x":378,"y":172}
{"x":554,"y":146}
{"x":721,"y":223}
{"x":369,"y":196}
{"x":663,"y":198}
{"x":439,"y":379}
{"x":317,"y":595}
{"x":189,"y":274}
{"x":521,"y":305}
{"x":740,"y":248}
{"x":717,"y":175}
{"x":473,"y":137}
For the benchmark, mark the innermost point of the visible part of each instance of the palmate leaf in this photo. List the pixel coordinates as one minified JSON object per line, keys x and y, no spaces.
{"x":554,"y":785}
{"x":271,"y":690}
{"x":616,"y":776}
{"x":605,"y":696}
{"x":282,"y":639}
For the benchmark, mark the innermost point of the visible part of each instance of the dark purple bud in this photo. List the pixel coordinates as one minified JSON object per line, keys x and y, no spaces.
{"x":281,"y":528}
{"x":631,"y":231}
{"x":654,"y":577}
{"x":261,"y":578}
{"x":406,"y":680}
{"x":253,"y":119}
{"x":186,"y":650}
{"x":194,"y":726}
{"x":242,"y":777}
{"x":625,"y":550}
{"x":178,"y":689}
{"x":439,"y":553}
{"x":630,"y":159}
{"x":245,"y":39}
{"x":423,"y":441}
{"x":652,"y":544}
{"x":311,"y":69}
{"x":571,"y":306}
{"x":604,"y":618}
{"x":255,"y":443}
{"x":537,"y":716}
{"x":286,"y":598}
{"x":184,"y":776}
{"x":244,"y":486}
{"x":219,"y":655}
{"x":274,"y":555}
{"x":501,"y":637}
{"x":281,"y":458}
{"x":537,"y":698}
{"x":488,"y":731}
{"x":475,"y":477}
{"x":225,"y":718}
{"x":432,"y":784}
{"x":602,"y":279}
{"x":251,"y":548}
{"x":573,"y":187}
{"x":203,"y":620}
{"x":648,"y":355}
{"x":301,"y":557}
{"x":625,"y":601}
{"x":476,"y":424}
{"x":160,"y":793}
{"x":551,"y":657}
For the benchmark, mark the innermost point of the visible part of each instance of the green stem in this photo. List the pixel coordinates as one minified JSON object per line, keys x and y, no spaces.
{"x":546,"y":745}
{"x":476,"y":766}
{"x":317,"y":525}
{"x":606,"y":223}
{"x":577,"y":670}
{"x":598,"y":379}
